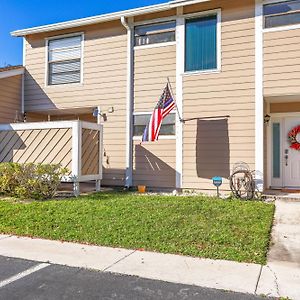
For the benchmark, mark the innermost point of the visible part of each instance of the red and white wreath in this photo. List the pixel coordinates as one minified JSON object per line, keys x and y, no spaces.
{"x":293,"y":138}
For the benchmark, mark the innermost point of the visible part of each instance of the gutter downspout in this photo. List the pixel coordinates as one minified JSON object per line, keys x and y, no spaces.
{"x":23,"y":80}
{"x":129,"y":102}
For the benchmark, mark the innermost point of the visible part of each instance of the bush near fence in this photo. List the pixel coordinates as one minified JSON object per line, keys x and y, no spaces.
{"x":30,"y":181}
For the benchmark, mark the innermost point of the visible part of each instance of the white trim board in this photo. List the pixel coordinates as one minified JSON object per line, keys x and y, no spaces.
{"x":259,"y":99}
{"x":180,"y":57}
{"x":49,"y":125}
{"x":157,"y":45}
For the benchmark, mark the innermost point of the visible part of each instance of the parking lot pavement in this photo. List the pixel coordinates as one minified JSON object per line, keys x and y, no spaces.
{"x":28,"y":280}
{"x":13,"y":266}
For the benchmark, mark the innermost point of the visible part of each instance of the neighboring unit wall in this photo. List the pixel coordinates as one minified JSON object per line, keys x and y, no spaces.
{"x":153,"y":163}
{"x":282,"y":63}
{"x":10,"y":98}
{"x":212,"y":146}
{"x":104,"y":85}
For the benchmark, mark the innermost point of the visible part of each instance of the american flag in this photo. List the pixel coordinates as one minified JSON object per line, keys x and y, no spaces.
{"x":164,"y":106}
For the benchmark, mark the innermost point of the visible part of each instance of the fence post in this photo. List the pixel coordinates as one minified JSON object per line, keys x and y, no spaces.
{"x":98,"y":181}
{"x":76,"y":155}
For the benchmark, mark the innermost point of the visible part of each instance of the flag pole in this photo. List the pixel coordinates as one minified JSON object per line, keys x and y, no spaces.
{"x":171,"y":90}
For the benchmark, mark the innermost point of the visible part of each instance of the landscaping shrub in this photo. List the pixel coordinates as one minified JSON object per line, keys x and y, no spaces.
{"x":30,"y":181}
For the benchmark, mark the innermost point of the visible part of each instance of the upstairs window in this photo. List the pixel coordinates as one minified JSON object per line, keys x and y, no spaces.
{"x":282,"y":14}
{"x":140,"y":121}
{"x":64,"y":60}
{"x":155,"y":33}
{"x":201,"y":53}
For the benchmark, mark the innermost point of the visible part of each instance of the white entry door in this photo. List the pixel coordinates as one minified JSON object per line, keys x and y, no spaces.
{"x":291,"y":157}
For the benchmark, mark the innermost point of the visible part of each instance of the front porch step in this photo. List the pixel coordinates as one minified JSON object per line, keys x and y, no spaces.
{"x":286,"y":195}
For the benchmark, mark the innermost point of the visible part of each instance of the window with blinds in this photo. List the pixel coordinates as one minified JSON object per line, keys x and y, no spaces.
{"x":64,"y":60}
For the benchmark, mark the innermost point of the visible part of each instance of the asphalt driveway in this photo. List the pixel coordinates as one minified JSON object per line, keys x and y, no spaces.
{"x":29,"y":280}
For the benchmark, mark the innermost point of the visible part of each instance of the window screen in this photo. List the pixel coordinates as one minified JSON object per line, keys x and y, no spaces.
{"x":155,"y":33}
{"x":282,"y":14}
{"x":140,"y":122}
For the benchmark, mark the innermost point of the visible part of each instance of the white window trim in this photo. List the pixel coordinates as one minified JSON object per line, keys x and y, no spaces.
{"x":279,"y":28}
{"x":154,"y":21}
{"x":217,"y":12}
{"x":47,"y":64}
{"x":161,"y":137}
{"x":157,"y":45}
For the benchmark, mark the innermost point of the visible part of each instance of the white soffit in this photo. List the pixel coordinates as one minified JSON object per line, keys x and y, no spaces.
{"x":105,"y":17}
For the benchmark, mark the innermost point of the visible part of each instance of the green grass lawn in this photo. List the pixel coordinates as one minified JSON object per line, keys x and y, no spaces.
{"x":195,"y":226}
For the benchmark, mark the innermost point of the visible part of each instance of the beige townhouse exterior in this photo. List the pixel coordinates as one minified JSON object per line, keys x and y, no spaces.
{"x":234,"y":68}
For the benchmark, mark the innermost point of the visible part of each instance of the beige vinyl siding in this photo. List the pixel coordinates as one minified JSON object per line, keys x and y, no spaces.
{"x":104,"y":85}
{"x":153,"y":163}
{"x":47,"y":146}
{"x":10,"y":98}
{"x":104,"y":71}
{"x":212,"y":146}
{"x":157,"y":15}
{"x":282,"y":63}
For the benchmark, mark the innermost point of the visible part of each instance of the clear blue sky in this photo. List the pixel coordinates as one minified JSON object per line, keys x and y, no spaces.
{"x":20,"y":14}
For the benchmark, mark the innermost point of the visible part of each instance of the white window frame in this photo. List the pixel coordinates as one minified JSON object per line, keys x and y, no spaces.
{"x":279,"y":28}
{"x":161,"y":137}
{"x":57,"y":37}
{"x":154,"y":21}
{"x":218,"y":13}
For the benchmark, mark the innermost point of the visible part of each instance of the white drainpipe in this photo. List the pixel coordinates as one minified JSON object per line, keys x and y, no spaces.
{"x":129,"y":103}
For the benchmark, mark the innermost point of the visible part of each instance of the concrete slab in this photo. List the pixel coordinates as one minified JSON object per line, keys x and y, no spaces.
{"x":70,"y":254}
{"x":285,"y":244}
{"x":280,"y":279}
{"x":4,"y":236}
{"x":225,"y":275}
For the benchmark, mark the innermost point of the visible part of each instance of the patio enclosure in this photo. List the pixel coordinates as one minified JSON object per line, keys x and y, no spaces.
{"x":75,"y":145}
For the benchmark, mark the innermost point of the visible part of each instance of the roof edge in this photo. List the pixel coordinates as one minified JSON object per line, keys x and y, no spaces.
{"x":105,"y":17}
{"x":92,"y":20}
{"x":12,"y":72}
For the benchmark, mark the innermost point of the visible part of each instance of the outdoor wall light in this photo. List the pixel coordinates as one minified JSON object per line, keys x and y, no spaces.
{"x":267,"y":119}
{"x":96,"y":112}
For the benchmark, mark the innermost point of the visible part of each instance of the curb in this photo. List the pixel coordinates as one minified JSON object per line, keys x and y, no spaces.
{"x":217,"y":274}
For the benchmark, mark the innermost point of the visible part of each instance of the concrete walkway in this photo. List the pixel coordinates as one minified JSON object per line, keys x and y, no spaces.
{"x":281,"y":276}
{"x":217,"y":274}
